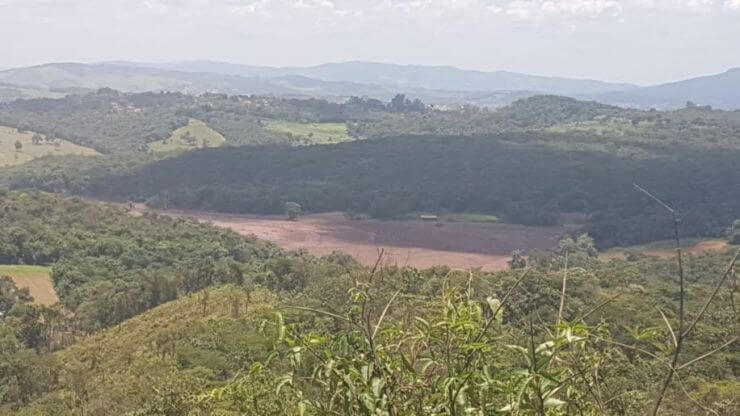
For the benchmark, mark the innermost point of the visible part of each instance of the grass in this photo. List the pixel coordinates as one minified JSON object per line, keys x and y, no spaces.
{"x":666,"y":248}
{"x":612,"y":128}
{"x":311,"y":133}
{"x":9,"y":156}
{"x":36,"y":278}
{"x":200,"y":136}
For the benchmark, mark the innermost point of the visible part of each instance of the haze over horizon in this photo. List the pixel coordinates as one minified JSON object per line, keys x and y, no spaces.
{"x":637,"y":41}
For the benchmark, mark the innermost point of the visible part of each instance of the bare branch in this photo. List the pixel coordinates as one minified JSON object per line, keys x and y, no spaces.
{"x":730,"y":268}
{"x":654,"y":198}
{"x":565,"y":284}
{"x":382,"y":316}
{"x":599,"y":306}
{"x":670,"y":328}
{"x":318,"y":311}
{"x":701,"y":357}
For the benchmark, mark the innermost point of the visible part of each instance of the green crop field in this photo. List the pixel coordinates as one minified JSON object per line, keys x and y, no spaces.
{"x":195,"y":135}
{"x":10,"y":155}
{"x":311,"y":133}
{"x":36,"y":278}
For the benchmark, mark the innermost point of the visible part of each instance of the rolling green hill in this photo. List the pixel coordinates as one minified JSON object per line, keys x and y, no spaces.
{"x":196,"y":134}
{"x":184,"y":347}
{"x":11,"y":154}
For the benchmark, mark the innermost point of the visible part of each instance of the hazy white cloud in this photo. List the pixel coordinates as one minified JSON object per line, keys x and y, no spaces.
{"x":590,"y":8}
{"x":623,"y":40}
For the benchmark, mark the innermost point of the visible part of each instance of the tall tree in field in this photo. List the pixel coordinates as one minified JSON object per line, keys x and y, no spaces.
{"x":292,"y":210}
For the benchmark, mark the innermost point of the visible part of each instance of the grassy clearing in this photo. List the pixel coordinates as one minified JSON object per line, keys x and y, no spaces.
{"x":612,"y":128}
{"x":10,"y":156}
{"x":36,"y":278}
{"x":311,"y":133}
{"x":196,"y":134}
{"x":666,"y":248}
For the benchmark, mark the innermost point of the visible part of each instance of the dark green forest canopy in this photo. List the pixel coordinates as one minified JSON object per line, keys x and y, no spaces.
{"x":529,"y":178}
{"x":110,"y":121}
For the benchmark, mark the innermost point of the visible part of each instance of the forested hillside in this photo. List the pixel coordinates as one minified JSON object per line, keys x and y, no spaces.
{"x":524,"y":178}
{"x":533,"y":162}
{"x":113,"y":122}
{"x":109,"y":265}
{"x":401,"y":340}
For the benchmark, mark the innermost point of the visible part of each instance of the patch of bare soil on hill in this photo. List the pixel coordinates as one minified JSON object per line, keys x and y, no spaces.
{"x":40,"y":287}
{"x":413,"y":243}
{"x":698,"y":248}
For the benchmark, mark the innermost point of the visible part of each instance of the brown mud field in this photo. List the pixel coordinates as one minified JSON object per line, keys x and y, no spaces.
{"x":413,"y":243}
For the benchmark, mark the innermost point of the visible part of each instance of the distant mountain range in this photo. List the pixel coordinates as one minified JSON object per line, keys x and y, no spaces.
{"x":433,"y":84}
{"x":408,"y":76}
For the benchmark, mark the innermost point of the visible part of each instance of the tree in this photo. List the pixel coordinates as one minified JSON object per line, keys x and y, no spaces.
{"x":18,"y":145}
{"x":37,"y":139}
{"x":401,"y":104}
{"x":292,"y":210}
{"x":735,"y":232}
{"x":10,"y":295}
{"x":517,"y":260}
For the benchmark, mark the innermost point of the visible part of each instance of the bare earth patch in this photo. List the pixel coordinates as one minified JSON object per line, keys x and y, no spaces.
{"x":666,"y":249}
{"x":413,"y":243}
{"x":36,"y":279}
{"x":698,"y":248}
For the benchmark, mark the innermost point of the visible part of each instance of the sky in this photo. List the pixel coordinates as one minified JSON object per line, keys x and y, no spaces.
{"x":638,"y":41}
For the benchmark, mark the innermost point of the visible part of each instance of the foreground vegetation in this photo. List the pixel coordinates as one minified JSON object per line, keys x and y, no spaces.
{"x":187,"y":319}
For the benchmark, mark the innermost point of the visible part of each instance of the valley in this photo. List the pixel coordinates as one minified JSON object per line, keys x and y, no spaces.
{"x":221,"y":254}
{"x":415,"y":243}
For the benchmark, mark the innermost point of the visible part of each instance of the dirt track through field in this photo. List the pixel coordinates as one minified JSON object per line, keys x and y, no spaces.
{"x":39,"y":286}
{"x":413,"y":243}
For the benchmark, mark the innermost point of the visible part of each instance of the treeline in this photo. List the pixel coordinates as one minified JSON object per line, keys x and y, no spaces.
{"x":106,"y":121}
{"x":524,"y":178}
{"x":526,"y":114}
{"x":114,"y":122}
{"x":700,"y":127}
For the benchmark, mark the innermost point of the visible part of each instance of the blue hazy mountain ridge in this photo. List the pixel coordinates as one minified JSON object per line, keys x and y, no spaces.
{"x":434,"y":84}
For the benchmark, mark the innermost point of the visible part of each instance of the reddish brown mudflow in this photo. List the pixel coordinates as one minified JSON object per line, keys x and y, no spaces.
{"x":414,"y":243}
